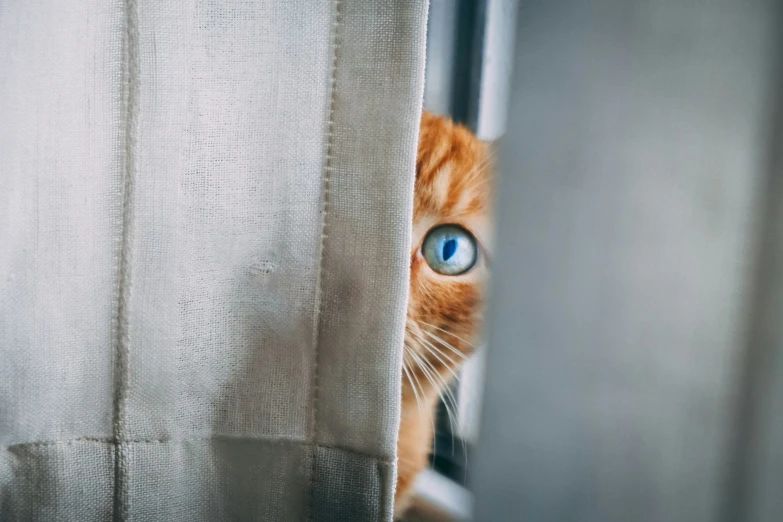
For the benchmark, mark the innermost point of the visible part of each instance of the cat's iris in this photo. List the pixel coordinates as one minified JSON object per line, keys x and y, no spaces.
{"x":449,"y":250}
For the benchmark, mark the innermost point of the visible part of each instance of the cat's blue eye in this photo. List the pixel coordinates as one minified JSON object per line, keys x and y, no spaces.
{"x":450,"y":250}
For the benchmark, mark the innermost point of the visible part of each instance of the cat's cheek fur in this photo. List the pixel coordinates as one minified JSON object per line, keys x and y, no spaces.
{"x":445,"y":313}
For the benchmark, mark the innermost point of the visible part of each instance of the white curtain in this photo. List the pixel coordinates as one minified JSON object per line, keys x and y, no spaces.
{"x":204,"y":242}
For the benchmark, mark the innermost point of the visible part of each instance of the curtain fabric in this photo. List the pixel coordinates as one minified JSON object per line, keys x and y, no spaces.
{"x":204,"y":232}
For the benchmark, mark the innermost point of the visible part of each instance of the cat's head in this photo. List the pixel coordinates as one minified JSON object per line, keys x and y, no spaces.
{"x":450,"y":246}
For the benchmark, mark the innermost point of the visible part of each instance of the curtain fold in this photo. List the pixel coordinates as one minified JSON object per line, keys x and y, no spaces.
{"x":204,"y":246}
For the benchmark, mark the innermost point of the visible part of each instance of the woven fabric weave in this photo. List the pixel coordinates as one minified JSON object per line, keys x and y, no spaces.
{"x":204,"y":233}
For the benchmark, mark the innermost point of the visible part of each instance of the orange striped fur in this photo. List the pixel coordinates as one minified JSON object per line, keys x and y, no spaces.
{"x":453,"y":186}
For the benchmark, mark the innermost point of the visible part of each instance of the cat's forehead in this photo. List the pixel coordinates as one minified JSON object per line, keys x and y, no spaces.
{"x":453,"y":171}
{"x":453,"y":180}
{"x":453,"y":190}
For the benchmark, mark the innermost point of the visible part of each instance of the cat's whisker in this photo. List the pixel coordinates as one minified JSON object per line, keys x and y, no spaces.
{"x":413,"y":387}
{"x":485,"y":161}
{"x":416,"y":384}
{"x":451,"y":417}
{"x":441,"y":386}
{"x":437,"y":352}
{"x":412,"y":353}
{"x":420,"y":398}
{"x":447,"y":332}
{"x":450,"y":403}
{"x":481,"y":168}
{"x":451,"y":369}
{"x":482,"y":182}
{"x":440,"y":382}
{"x":461,"y":355}
{"x":448,"y":345}
{"x":427,"y":369}
{"x":445,"y":393}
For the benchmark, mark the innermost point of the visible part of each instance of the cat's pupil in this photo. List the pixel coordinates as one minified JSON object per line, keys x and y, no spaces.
{"x":449,"y":247}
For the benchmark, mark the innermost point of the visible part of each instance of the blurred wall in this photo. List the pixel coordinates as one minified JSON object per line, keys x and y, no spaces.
{"x":635,"y":371}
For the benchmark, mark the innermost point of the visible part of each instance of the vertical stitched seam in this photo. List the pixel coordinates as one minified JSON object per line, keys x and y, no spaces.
{"x":131,"y":72}
{"x":327,"y":175}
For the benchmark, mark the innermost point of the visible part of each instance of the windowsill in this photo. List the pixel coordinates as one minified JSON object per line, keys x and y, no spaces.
{"x":439,"y":499}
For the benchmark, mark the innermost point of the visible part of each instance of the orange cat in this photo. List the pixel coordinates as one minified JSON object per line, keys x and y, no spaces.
{"x":449,"y":268}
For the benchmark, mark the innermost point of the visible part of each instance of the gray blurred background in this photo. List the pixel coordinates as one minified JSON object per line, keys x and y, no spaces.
{"x":635,"y":370}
